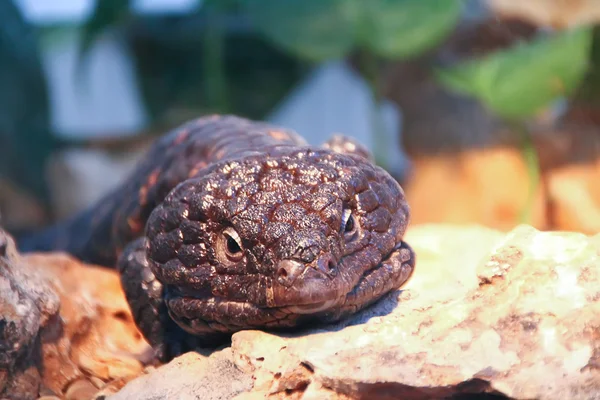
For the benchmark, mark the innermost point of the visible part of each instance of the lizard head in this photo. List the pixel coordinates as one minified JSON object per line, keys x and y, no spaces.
{"x":269,"y":241}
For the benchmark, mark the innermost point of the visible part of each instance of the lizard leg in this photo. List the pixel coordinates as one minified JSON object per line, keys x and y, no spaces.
{"x":144,"y":294}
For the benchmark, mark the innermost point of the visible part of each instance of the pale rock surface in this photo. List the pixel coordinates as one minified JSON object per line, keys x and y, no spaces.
{"x":189,"y":377}
{"x":515,"y":315}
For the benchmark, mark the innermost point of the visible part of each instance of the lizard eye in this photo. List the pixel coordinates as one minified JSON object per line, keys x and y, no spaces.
{"x":231,"y":245}
{"x":348,"y":224}
{"x":3,"y":245}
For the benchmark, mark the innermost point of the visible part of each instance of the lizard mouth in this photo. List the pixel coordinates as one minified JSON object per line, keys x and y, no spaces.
{"x":199,"y":314}
{"x":393,"y":271}
{"x":312,"y":307}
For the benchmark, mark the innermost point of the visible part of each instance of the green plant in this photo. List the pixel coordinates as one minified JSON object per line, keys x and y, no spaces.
{"x":321,"y":30}
{"x":518,"y":82}
{"x":198,"y":62}
{"x":207,"y":63}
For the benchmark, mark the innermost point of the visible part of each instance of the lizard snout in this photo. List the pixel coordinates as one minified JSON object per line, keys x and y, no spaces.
{"x":289,"y":270}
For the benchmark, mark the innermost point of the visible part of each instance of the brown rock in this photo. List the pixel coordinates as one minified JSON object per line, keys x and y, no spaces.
{"x":65,"y":327}
{"x":574,"y":193}
{"x":110,"y":388}
{"x":97,"y":336}
{"x":522,"y":321}
{"x":28,"y":307}
{"x":485,"y":312}
{"x":81,"y":389}
{"x":485,"y":186}
{"x":556,"y":13}
{"x":190,"y":376}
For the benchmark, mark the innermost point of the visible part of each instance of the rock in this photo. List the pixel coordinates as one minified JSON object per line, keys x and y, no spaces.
{"x":80,"y":390}
{"x":65,"y":327}
{"x":555,"y":13}
{"x":521,"y":320}
{"x":97,"y":338}
{"x":462,"y":188}
{"x":575,"y":197}
{"x":28,"y":306}
{"x":190,"y":376}
{"x":570,"y":169}
{"x":515,"y":315}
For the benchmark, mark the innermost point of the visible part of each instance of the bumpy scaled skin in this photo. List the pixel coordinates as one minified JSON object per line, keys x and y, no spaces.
{"x":231,"y":224}
{"x":26,"y":307}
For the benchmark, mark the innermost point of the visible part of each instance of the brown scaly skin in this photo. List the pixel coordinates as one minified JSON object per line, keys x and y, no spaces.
{"x":230,"y":224}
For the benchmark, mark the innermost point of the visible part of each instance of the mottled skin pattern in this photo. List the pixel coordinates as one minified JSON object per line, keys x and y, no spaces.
{"x":231,"y":224}
{"x":27,"y":306}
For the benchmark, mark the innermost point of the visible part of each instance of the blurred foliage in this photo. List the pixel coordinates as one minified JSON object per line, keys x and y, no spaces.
{"x":205,"y":61}
{"x":316,"y":30}
{"x":211,"y":60}
{"x":401,"y":29}
{"x":25,"y":138}
{"x":176,"y":78}
{"x":320,"y":30}
{"x":522,"y":80}
{"x":106,"y":14}
{"x":519,"y":81}
{"x":244,"y":57}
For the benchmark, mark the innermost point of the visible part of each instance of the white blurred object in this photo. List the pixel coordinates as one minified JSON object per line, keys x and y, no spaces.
{"x":103,"y":98}
{"x":335,"y":99}
{"x":48,"y":12}
{"x":69,"y":11}
{"x":100,"y":100}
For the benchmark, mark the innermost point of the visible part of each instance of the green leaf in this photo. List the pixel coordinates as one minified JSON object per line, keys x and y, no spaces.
{"x":316,"y":30}
{"x":519,"y":81}
{"x":404,"y":28}
{"x":319,"y":30}
{"x":25,"y":138}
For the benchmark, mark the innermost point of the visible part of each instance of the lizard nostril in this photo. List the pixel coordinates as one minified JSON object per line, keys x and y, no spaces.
{"x":288,"y":271}
{"x":331,"y":266}
{"x":327,"y":265}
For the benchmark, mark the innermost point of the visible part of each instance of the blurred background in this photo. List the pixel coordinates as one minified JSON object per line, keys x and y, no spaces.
{"x":486,"y":111}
